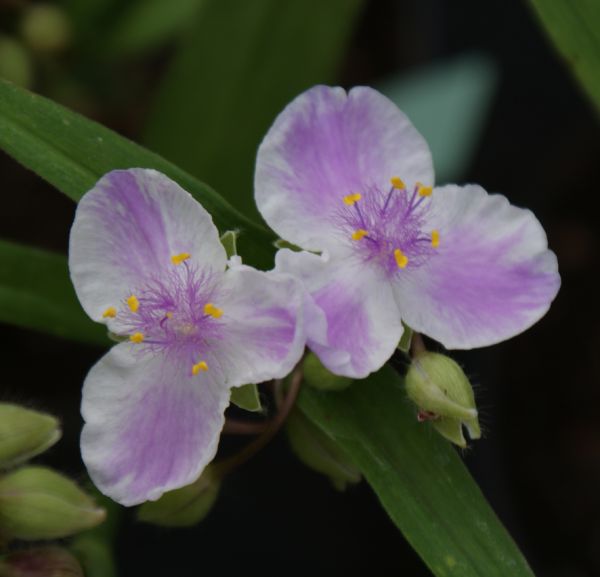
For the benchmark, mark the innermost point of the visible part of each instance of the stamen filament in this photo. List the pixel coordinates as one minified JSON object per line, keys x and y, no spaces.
{"x":401,"y":258}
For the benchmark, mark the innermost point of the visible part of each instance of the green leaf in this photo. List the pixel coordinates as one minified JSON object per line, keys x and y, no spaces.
{"x":419,"y":478}
{"x":238,"y":65}
{"x":72,"y":153}
{"x":574,"y":26}
{"x":246,"y":397}
{"x":319,"y":452}
{"x":36,"y":292}
{"x":146,"y":24}
{"x":448,"y":103}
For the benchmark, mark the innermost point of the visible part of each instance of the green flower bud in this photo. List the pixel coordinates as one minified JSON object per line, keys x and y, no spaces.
{"x":15,"y":63}
{"x":318,"y":377}
{"x":317,"y":451}
{"x":24,"y":434}
{"x":38,"y":503}
{"x":45,"y":28}
{"x":40,"y":562}
{"x":444,"y":395}
{"x":186,"y":506}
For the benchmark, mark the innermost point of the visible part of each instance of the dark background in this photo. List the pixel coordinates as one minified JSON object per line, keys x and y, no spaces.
{"x":539,"y":463}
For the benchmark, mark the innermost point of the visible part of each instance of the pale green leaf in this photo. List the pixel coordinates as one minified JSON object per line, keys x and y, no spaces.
{"x":448,"y":103}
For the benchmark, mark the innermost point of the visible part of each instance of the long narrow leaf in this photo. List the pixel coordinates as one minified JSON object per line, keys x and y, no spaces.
{"x":418,"y":477}
{"x":239,"y":65}
{"x":72,"y":152}
{"x":36,"y":292}
{"x":574,"y":26}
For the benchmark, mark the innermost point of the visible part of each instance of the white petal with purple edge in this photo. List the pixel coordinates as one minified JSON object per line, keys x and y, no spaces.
{"x":126,"y":230}
{"x":325,"y":145}
{"x":150,"y":425}
{"x":362,"y":322}
{"x":263,"y":327}
{"x":492,"y":275}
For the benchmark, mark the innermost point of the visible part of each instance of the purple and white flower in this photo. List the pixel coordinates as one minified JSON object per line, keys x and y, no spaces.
{"x":348,"y":176}
{"x":146,"y":260}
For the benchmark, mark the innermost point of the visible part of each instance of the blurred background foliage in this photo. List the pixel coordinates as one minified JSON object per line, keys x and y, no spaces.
{"x":200,"y":81}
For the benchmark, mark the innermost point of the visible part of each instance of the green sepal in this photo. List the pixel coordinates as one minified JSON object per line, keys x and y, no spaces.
{"x":246,"y":397}
{"x":38,"y":503}
{"x":318,"y":377}
{"x":280,"y":243}
{"x":319,"y":452}
{"x":405,"y":339}
{"x":229,"y":242}
{"x":186,"y":506}
{"x":25,"y":433}
{"x":439,"y":386}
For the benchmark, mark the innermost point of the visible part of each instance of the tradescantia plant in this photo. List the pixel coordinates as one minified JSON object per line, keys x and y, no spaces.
{"x":146,"y":262}
{"x":455,"y":263}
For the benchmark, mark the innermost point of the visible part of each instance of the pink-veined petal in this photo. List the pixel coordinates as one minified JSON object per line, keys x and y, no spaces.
{"x":263,"y":333}
{"x":126,"y":230}
{"x":150,"y":425}
{"x":357,"y":323}
{"x":325,"y":145}
{"x":492,"y":275}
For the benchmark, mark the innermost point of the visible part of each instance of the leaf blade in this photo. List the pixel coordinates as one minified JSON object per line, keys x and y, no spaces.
{"x":72,"y":153}
{"x":574,"y":28}
{"x":35,"y":292}
{"x":299,"y":43}
{"x":418,"y":477}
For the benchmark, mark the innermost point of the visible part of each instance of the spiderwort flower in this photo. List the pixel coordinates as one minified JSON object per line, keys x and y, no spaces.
{"x":347,"y":175}
{"x":146,"y":260}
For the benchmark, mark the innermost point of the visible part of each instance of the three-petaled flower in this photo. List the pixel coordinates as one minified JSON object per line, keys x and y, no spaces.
{"x":347,"y":175}
{"x":145,"y":259}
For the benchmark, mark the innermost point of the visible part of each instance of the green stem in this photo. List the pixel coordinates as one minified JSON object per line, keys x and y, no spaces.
{"x":271,"y":428}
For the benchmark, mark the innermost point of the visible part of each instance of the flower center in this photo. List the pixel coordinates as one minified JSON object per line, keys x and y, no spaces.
{"x":389,"y":227}
{"x":173,"y":313}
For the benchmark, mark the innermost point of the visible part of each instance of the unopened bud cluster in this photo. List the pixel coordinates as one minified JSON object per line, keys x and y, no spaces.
{"x":444,"y":396}
{"x":36,"y":502}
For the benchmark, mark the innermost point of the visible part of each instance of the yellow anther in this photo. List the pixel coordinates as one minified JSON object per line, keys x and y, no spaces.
{"x":133,"y":303}
{"x":213,"y":311}
{"x":110,"y":312}
{"x":179,"y":258}
{"x":401,"y":258}
{"x":169,"y":314}
{"x":424,"y":190}
{"x":435,"y":238}
{"x":137,"y":338}
{"x":201,"y":366}
{"x":351,"y":199}
{"x":358,"y":234}
{"x":398,"y":183}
